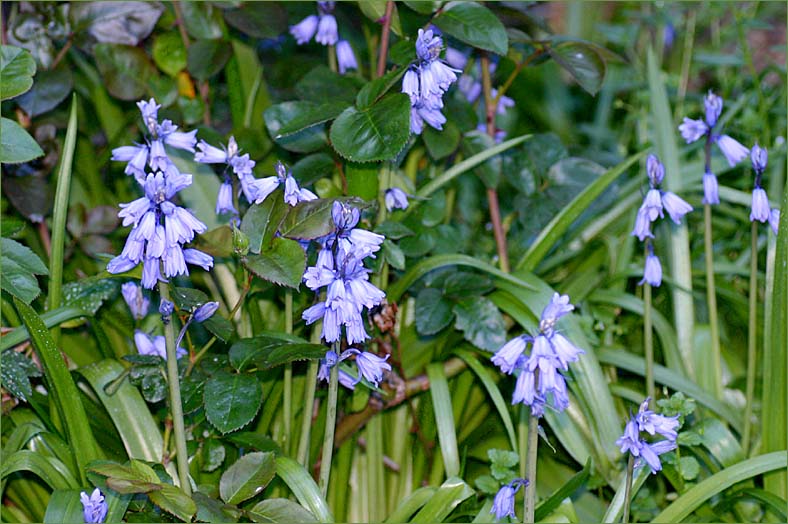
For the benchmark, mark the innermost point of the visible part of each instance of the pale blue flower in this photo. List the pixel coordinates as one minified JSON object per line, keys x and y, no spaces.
{"x":346,"y":59}
{"x":642,"y":225}
{"x":503,"y":503}
{"x":305,"y":29}
{"x":346,"y":380}
{"x":691,"y":130}
{"x":654,"y":170}
{"x":713,"y":105}
{"x":711,"y":193}
{"x":154,"y":346}
{"x":455,"y":58}
{"x":760,"y":206}
{"x":138,"y":303}
{"x":395,"y":198}
{"x":675,"y":206}
{"x":94,"y":507}
{"x":205,"y":311}
{"x":370,"y":366}
{"x":652,"y":204}
{"x":759,"y":157}
{"x":224,"y":199}
{"x":734,"y":152}
{"x":166,"y":308}
{"x":507,"y":356}
{"x":652,"y":423}
{"x":652,"y":274}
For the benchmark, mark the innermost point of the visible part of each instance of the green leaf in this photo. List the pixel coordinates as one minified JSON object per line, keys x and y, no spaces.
{"x":175,"y":501}
{"x":308,"y":220}
{"x":247,"y":477}
{"x":583,"y":62}
{"x":232,"y":400}
{"x":89,"y":293}
{"x":691,"y":500}
{"x":475,"y":25}
{"x":689,"y":468}
{"x":310,"y":114}
{"x":16,"y":145}
{"x":424,"y":7}
{"x":117,"y":23}
{"x":394,"y":255}
{"x":433,"y":312}
{"x":51,"y":86}
{"x":168,"y":52}
{"x":64,"y":507}
{"x":202,"y":20}
{"x":261,"y":221}
{"x":211,"y":510}
{"x":15,"y":374}
{"x":50,"y":318}
{"x":481,"y":323}
{"x":444,"y":418}
{"x":283,"y":262}
{"x":280,"y":511}
{"x":327,"y":86}
{"x":476,"y":142}
{"x":49,"y":469}
{"x":375,"y":10}
{"x":62,"y":392}
{"x":375,"y":89}
{"x":205,"y":58}
{"x":17,"y":68}
{"x":18,"y":265}
{"x":441,"y":144}
{"x":125,"y":69}
{"x":550,"y":504}
{"x":303,"y":487}
{"x":190,"y":299}
{"x":378,"y":132}
{"x":393,"y":230}
{"x":313,"y":167}
{"x":270,"y":349}
{"x":258,"y":19}
{"x":278,"y":116}
{"x":448,"y":496}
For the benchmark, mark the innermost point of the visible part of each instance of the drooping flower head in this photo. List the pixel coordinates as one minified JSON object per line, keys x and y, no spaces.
{"x":94,"y":507}
{"x":293,"y":193}
{"x":346,"y":59}
{"x":652,"y":274}
{"x":761,"y":210}
{"x":154,"y":346}
{"x":691,"y":130}
{"x":395,"y":198}
{"x":503,"y":503}
{"x":657,"y":201}
{"x":138,"y":303}
{"x":651,"y":423}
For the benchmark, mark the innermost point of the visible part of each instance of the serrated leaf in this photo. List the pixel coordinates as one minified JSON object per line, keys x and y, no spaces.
{"x":481,"y":323}
{"x":175,"y":501}
{"x":503,"y":458}
{"x":90,"y":293}
{"x":189,"y":299}
{"x":283,"y":262}
{"x":16,"y":145}
{"x":50,"y":87}
{"x":15,"y":374}
{"x":261,"y":221}
{"x":271,"y":349}
{"x":125,"y":69}
{"x":308,"y":220}
{"x":247,"y":477}
{"x":23,"y":256}
{"x":310,"y":114}
{"x":375,"y":89}
{"x":231,"y":400}
{"x":441,"y":144}
{"x":378,"y":132}
{"x":475,"y":25}
{"x":690,"y":468}
{"x":278,"y":116}
{"x":211,"y":510}
{"x":581,"y":61}
{"x":487,"y":484}
{"x":17,"y":68}
{"x":213,"y":453}
{"x":433,"y":312}
{"x":280,"y":511}
{"x":393,"y":254}
{"x":393,"y":230}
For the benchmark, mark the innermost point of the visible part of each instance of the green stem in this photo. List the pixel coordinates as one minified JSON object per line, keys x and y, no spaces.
{"x":288,"y":385}
{"x":328,"y":436}
{"x":332,"y":58}
{"x":309,"y":405}
{"x":61,"y":212}
{"x":176,"y":408}
{"x":530,"y":470}
{"x":648,"y":341}
{"x":628,"y":488}
{"x":751,"y":340}
{"x":711,"y":299}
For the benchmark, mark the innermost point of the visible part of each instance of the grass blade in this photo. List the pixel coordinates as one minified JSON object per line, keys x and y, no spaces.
{"x":775,"y":359}
{"x":616,"y":507}
{"x":303,"y":487}
{"x":50,"y":319}
{"x":679,"y":250}
{"x":411,"y":504}
{"x":48,"y":469}
{"x":682,"y":507}
{"x":564,"y":219}
{"x":445,"y":499}
{"x":62,"y":391}
{"x":444,"y":419}
{"x":61,"y":209}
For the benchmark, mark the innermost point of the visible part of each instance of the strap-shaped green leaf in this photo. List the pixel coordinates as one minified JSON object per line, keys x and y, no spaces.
{"x":303,"y":487}
{"x":444,"y":418}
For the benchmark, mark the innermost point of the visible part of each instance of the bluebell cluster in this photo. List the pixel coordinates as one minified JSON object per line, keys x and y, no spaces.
{"x":323,"y":28}
{"x":646,"y":421}
{"x":426,"y":81}
{"x":340,"y":269}
{"x":369,"y":365}
{"x":240,"y":165}
{"x":94,"y":507}
{"x":540,"y":382}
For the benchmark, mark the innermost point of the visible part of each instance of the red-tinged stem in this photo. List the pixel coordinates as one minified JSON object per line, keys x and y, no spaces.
{"x":384,"y":38}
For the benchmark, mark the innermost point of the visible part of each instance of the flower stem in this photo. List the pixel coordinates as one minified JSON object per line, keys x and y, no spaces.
{"x":288,"y":384}
{"x":530,"y":470}
{"x":176,"y":408}
{"x":384,"y":38}
{"x":332,"y":58}
{"x":648,"y":342}
{"x":628,"y":488}
{"x":328,"y":436}
{"x":751,"y":340}
{"x":711,"y":299}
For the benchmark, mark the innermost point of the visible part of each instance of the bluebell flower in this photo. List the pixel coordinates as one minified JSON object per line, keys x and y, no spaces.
{"x":395,"y":198}
{"x":331,"y":359}
{"x":653,"y":423}
{"x":711,"y":194}
{"x":348,"y":237}
{"x":759,"y":157}
{"x":675,"y":206}
{"x":240,"y":165}
{"x":713,"y":106}
{"x":774,"y":220}
{"x":205,"y":311}
{"x":292,"y":194}
{"x":455,"y":58}
{"x":652,"y":274}
{"x":503,"y":503}
{"x":137,"y":302}
{"x":305,"y":29}
{"x":734,"y":152}
{"x":327,"y":25}
{"x":94,"y":507}
{"x":760,"y":206}
{"x":654,"y":170}
{"x":470,"y":88}
{"x":154,"y":346}
{"x":642,"y":225}
{"x":691,"y":130}
{"x":370,"y":366}
{"x":346,"y":59}
{"x":224,"y":199}
{"x":166,"y":308}
{"x":656,"y":200}
{"x":643,"y":451}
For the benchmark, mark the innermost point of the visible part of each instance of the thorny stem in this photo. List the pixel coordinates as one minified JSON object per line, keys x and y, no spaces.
{"x":751,"y":340}
{"x":176,"y":408}
{"x":384,"y":38}
{"x":492,"y":194}
{"x":628,"y":488}
{"x":328,"y":436}
{"x":529,"y":500}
